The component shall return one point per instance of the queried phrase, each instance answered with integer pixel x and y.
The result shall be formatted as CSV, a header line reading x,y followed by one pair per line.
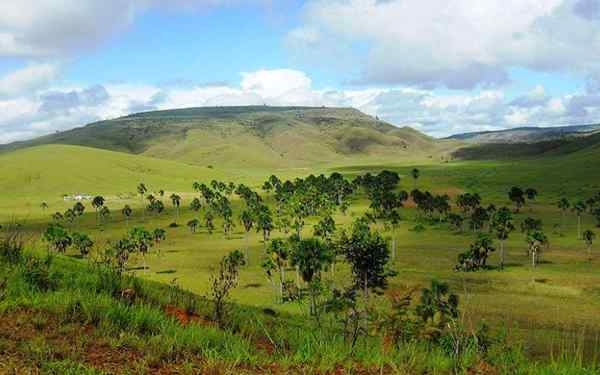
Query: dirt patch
x,y
184,318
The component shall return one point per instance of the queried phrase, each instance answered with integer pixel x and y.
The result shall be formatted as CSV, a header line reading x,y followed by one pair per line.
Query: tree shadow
x,y
252,285
140,268
166,272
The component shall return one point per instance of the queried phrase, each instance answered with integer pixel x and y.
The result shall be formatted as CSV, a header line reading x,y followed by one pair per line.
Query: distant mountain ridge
x,y
251,136
528,134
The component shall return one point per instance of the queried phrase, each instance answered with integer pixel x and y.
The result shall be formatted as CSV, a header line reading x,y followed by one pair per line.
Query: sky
x,y
442,67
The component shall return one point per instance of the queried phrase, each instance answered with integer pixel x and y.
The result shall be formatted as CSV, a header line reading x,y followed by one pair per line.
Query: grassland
x,y
553,308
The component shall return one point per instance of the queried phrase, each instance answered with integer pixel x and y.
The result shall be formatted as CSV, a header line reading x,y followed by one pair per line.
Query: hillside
x,y
548,148
258,137
526,134
47,172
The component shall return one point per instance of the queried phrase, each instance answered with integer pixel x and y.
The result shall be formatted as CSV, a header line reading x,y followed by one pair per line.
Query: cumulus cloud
x,y
28,78
42,28
459,44
438,114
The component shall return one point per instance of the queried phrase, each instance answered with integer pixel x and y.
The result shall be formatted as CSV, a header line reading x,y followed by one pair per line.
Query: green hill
x,y
256,136
550,148
46,172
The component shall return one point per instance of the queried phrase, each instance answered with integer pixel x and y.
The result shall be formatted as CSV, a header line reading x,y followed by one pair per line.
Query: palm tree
x,y
311,256
176,200
141,189
415,173
83,243
563,204
517,196
98,203
142,241
589,237
127,211
44,206
579,208
193,225
248,222
278,252
159,235
502,225
78,209
536,241
104,214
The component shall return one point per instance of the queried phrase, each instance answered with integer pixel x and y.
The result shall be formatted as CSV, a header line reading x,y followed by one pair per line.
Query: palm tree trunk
x,y
366,297
281,281
502,254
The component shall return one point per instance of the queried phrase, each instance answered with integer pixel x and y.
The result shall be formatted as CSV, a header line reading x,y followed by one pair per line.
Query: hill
x,y
254,136
526,134
548,148
47,172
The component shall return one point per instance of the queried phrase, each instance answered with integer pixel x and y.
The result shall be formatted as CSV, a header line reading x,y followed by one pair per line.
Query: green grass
x,y
553,307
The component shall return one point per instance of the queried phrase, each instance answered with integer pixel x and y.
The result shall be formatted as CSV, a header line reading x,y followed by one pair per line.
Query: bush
x,y
36,272
12,244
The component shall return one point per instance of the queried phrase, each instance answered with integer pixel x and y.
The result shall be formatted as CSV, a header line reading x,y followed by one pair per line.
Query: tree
x,y
141,189
368,255
44,206
264,223
141,241
176,200
83,243
208,218
58,237
589,237
223,281
195,205
193,225
456,221
70,215
531,194
415,174
278,254
517,197
502,225
579,208
536,241
437,308
57,216
104,214
530,225
311,256
476,257
98,203
159,235
78,209
563,204
478,218
468,202
127,211
247,222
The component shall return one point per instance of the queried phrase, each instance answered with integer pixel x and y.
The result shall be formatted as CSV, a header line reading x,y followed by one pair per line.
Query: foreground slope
x,y
258,136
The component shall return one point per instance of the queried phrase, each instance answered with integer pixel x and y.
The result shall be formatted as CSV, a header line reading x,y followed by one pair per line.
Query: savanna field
x,y
196,299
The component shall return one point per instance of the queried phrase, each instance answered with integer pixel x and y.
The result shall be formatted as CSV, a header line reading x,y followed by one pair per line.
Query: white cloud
x,y
438,114
275,83
28,78
457,44
42,28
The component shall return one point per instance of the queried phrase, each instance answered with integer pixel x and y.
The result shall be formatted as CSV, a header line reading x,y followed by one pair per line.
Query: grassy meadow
x,y
553,308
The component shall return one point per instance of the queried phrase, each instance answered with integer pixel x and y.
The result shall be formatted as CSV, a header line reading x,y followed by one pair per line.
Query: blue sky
x,y
461,66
